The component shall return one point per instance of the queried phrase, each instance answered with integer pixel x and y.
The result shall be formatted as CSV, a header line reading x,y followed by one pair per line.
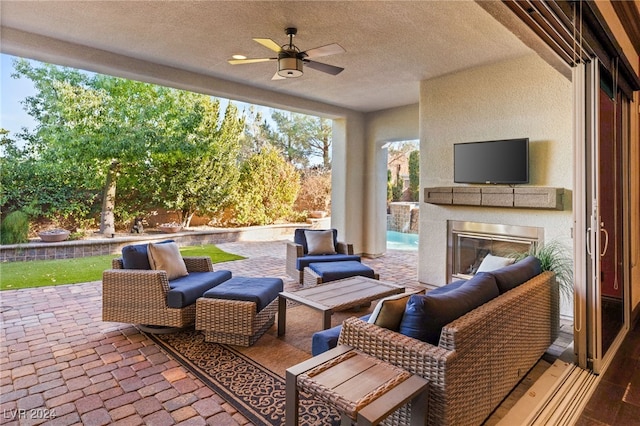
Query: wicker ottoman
x,y
238,311
322,272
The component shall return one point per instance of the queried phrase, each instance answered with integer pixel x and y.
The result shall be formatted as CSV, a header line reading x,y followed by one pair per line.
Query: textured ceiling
x,y
390,46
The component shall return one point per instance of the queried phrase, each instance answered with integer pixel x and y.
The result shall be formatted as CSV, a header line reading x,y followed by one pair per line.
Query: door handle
x,y
606,239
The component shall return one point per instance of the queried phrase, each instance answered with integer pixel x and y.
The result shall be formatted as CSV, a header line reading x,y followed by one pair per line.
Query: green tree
x,y
301,136
203,176
414,175
267,189
120,132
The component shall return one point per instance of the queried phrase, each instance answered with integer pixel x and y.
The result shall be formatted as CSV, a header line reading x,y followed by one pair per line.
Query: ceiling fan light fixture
x,y
289,67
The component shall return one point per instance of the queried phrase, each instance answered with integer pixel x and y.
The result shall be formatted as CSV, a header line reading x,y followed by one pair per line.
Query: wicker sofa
x,y
481,356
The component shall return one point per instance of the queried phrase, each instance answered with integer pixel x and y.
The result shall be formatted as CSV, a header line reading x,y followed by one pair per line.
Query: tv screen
x,y
504,161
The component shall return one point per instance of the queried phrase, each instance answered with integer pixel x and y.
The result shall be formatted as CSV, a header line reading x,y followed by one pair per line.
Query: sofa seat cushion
x,y
261,291
425,316
331,271
184,291
513,275
322,341
303,262
136,256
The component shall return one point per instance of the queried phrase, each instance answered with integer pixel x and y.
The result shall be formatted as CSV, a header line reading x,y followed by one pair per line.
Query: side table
x,y
362,388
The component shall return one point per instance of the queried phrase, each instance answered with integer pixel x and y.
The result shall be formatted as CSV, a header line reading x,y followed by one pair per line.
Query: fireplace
x,y
469,242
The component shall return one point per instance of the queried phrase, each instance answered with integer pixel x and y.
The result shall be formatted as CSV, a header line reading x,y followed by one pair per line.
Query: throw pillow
x,y
388,312
490,263
136,256
167,257
320,242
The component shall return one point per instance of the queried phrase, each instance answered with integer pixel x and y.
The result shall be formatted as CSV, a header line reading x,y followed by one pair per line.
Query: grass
x,y
41,273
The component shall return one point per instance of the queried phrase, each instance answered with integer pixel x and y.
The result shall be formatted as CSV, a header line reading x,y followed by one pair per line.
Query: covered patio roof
x,y
390,45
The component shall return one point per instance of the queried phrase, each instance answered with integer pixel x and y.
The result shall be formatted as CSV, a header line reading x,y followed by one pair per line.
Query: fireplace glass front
x,y
470,244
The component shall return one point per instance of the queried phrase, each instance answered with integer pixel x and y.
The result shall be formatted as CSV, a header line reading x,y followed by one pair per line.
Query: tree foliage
x,y
302,136
267,189
414,175
98,132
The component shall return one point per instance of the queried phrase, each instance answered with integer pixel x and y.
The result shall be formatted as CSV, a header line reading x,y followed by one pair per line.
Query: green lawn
x,y
40,273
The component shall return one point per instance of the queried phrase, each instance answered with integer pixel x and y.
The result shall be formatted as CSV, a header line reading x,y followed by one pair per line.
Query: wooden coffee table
x,y
335,296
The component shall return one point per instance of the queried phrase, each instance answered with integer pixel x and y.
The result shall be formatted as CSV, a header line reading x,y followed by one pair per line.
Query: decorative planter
x,y
54,235
170,229
317,214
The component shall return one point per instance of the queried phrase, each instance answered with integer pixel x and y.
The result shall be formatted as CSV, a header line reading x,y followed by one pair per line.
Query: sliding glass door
x,y
600,244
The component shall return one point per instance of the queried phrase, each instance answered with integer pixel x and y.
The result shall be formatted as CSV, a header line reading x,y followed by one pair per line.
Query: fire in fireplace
x,y
468,243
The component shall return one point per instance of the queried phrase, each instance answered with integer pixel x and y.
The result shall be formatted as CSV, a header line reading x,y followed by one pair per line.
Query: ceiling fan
x,y
290,58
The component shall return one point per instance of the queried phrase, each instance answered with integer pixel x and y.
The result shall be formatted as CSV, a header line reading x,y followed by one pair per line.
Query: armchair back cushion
x,y
136,256
300,238
167,257
424,316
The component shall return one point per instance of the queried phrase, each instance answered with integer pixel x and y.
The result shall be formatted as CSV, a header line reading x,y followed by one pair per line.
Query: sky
x,y
12,92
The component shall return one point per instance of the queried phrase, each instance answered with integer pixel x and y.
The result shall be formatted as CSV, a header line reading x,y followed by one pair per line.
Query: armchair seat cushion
x,y
261,291
184,291
303,262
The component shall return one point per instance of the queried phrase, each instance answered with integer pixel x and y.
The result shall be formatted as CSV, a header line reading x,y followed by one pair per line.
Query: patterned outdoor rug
x,y
252,379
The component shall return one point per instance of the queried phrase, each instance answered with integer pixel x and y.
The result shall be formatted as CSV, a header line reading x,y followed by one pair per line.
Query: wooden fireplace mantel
x,y
532,197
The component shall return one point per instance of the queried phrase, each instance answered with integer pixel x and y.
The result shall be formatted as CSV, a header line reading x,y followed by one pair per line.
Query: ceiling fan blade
x,y
329,49
277,76
250,60
329,69
269,44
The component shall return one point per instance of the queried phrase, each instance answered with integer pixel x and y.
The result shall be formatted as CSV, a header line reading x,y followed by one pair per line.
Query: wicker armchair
x,y
298,258
481,355
139,296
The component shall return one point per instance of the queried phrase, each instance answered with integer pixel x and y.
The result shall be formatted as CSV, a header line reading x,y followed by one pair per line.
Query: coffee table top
x,y
343,294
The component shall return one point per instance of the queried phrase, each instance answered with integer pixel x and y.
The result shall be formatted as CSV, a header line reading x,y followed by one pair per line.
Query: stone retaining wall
x,y
403,217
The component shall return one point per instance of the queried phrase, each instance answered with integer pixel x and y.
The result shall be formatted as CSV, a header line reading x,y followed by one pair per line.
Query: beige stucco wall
x,y
524,97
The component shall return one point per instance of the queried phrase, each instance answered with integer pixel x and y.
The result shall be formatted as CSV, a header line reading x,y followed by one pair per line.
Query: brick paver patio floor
x,y
60,364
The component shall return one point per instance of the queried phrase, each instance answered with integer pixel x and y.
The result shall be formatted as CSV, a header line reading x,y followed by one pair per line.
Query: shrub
x,y
414,175
15,228
315,191
267,189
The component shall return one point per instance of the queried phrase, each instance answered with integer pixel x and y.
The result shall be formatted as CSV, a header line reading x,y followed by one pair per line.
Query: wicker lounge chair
x,y
298,256
139,296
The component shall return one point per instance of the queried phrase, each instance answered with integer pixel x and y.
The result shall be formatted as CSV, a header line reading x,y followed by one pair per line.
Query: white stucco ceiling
x,y
390,45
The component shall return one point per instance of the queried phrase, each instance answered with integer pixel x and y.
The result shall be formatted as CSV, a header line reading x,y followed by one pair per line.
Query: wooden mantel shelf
x,y
534,197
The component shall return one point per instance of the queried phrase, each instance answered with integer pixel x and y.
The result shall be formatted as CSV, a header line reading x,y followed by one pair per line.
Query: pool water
x,y
402,241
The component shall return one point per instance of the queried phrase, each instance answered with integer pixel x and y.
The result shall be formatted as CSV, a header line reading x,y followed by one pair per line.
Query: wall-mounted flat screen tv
x,y
503,161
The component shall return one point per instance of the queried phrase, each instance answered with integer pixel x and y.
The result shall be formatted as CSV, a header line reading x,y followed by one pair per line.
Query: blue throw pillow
x,y
425,315
513,275
135,256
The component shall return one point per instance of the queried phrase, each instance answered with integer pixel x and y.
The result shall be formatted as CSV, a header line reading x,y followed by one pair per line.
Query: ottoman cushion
x,y
338,270
303,262
261,291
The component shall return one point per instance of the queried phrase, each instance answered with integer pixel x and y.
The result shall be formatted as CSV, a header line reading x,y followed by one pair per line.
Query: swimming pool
x,y
402,241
